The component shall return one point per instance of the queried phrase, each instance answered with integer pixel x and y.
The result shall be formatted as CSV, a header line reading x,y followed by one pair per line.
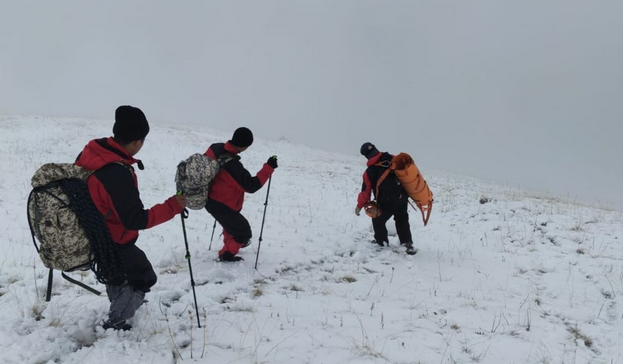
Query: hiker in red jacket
x,y
226,194
114,190
391,198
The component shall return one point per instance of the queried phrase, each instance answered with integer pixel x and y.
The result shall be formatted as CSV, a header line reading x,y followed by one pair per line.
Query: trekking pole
x,y
263,218
184,215
212,238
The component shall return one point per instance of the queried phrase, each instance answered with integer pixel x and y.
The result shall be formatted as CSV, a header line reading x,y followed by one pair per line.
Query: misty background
x,y
528,93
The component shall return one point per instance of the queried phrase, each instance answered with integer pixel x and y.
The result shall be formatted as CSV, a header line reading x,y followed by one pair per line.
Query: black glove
x,y
272,161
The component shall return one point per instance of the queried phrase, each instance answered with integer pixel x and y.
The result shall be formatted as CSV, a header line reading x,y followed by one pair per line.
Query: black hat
x,y
368,150
130,124
243,137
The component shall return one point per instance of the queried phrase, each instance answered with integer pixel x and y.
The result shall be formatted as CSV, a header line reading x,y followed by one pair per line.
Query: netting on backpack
x,y
107,266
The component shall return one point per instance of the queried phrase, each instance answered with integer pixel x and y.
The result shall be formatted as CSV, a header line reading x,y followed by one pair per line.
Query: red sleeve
x,y
366,191
265,173
163,212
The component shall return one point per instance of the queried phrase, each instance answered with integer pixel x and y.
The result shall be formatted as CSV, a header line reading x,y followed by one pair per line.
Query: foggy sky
x,y
529,93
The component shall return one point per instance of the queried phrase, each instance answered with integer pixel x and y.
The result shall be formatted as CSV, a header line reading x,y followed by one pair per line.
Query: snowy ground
x,y
516,279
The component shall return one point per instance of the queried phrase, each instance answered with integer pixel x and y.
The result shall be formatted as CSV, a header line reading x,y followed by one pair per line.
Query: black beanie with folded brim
x,y
242,138
130,124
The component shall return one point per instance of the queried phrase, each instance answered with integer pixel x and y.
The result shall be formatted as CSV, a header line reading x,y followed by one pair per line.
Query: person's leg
x,y
113,291
380,230
236,228
139,272
229,244
401,217
125,299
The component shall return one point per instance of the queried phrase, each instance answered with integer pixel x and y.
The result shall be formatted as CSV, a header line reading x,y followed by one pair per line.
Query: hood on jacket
x,y
100,152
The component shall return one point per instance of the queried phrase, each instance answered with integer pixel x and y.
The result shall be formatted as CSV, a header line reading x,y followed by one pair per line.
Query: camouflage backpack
x,y
71,231
194,175
52,219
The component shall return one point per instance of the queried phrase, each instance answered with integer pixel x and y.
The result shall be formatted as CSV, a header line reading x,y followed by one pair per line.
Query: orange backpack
x,y
412,181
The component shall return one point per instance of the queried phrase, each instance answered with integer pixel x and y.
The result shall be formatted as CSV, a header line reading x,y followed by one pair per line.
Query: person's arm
x,y
366,191
124,195
249,183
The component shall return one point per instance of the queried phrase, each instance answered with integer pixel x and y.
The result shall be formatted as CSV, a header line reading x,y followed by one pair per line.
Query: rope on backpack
x,y
107,265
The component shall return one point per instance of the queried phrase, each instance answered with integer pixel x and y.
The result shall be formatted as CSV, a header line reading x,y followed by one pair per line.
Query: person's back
x,y
233,180
390,190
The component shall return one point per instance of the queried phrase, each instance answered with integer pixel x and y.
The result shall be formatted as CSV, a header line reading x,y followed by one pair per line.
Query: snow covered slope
x,y
500,277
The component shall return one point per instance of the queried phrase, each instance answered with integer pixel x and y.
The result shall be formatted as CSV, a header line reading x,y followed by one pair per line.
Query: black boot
x,y
119,325
229,257
380,243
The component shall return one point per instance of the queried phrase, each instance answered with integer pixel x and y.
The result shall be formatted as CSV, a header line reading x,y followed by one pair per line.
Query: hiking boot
x,y
380,243
410,249
119,325
229,257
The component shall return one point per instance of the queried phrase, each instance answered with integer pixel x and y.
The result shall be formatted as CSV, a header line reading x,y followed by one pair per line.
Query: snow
x,y
519,278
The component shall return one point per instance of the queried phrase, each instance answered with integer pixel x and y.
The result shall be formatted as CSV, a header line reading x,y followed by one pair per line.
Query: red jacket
x,y
233,180
114,190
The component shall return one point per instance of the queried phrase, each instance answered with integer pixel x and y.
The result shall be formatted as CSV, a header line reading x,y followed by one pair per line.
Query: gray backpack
x,y
194,175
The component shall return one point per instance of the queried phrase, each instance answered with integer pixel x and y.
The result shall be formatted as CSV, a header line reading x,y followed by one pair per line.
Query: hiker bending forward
x,y
114,191
391,197
226,193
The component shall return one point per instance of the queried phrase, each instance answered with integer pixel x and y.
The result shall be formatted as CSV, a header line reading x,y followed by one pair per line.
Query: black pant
x,y
397,209
139,272
232,221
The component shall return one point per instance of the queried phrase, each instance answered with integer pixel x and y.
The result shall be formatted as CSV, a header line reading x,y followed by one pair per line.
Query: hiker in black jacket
x,y
390,197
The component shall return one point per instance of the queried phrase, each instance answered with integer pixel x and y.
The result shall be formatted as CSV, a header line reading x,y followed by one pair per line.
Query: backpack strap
x,y
32,230
225,158
90,289
428,209
48,293
381,179
385,164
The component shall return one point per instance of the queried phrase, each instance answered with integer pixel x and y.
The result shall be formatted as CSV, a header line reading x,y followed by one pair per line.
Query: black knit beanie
x,y
368,150
243,137
130,124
